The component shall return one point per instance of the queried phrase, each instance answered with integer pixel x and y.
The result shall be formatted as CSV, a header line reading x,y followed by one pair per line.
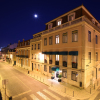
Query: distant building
x,y
23,54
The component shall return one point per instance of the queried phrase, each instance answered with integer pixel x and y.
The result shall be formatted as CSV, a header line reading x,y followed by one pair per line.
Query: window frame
x,y
58,21
73,35
51,43
71,15
45,68
89,36
45,41
74,73
64,37
57,39
50,24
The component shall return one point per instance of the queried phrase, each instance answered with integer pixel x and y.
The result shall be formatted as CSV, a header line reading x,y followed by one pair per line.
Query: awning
x,y
54,53
63,53
55,68
73,53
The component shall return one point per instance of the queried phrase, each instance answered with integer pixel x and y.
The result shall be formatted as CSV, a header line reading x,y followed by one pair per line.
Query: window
x,y
74,61
50,26
38,56
57,39
64,38
57,57
25,43
74,76
28,43
89,36
35,65
27,62
35,56
75,36
45,41
32,47
71,16
64,73
59,22
35,47
96,39
93,21
89,57
45,68
38,46
96,56
38,66
50,69
32,56
50,40
64,57
50,57
27,52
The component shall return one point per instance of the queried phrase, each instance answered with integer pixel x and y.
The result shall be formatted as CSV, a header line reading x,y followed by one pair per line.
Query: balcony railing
x,y
64,63
74,65
45,61
50,61
56,62
75,21
22,56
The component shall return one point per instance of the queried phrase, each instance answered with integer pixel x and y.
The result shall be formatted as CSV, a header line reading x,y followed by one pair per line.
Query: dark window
x,y
35,47
45,41
38,46
89,57
96,56
89,36
32,47
96,39
50,40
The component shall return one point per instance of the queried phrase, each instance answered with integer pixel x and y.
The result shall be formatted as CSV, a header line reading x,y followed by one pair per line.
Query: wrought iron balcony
x,y
64,63
56,62
45,61
74,65
50,61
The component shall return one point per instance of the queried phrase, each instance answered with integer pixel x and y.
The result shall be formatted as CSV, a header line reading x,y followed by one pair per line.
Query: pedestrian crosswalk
x,y
43,95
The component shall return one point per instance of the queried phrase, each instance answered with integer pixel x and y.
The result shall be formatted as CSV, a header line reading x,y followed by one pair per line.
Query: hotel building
x,y
70,46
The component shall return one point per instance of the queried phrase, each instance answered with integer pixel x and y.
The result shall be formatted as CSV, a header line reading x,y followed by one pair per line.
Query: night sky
x,y
17,20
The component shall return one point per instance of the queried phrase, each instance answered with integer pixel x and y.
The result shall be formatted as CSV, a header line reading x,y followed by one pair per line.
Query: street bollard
x,y
43,80
65,90
73,93
94,86
90,90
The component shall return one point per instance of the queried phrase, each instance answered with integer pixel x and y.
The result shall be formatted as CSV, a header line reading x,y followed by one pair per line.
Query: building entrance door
x,y
32,66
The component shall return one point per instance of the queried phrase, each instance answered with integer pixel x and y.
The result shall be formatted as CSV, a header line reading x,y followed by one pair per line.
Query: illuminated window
x,y
45,68
38,56
45,41
64,73
59,22
50,40
74,76
57,39
50,57
57,57
96,56
64,38
89,57
75,36
96,39
74,61
89,36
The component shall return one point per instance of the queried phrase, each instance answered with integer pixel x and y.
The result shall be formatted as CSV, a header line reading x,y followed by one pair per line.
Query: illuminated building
x,y
70,44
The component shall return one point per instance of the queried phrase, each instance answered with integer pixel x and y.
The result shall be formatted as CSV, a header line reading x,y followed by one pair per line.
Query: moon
x,y
35,16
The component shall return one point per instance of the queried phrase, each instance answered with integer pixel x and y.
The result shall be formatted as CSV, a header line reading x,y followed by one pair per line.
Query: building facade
x,y
69,46
23,54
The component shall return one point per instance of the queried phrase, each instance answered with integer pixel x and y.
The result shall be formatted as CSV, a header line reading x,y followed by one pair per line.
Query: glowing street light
x,y
35,15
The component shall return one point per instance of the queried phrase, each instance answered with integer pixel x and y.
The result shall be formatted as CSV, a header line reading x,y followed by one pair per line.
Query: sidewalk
x,y
64,89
